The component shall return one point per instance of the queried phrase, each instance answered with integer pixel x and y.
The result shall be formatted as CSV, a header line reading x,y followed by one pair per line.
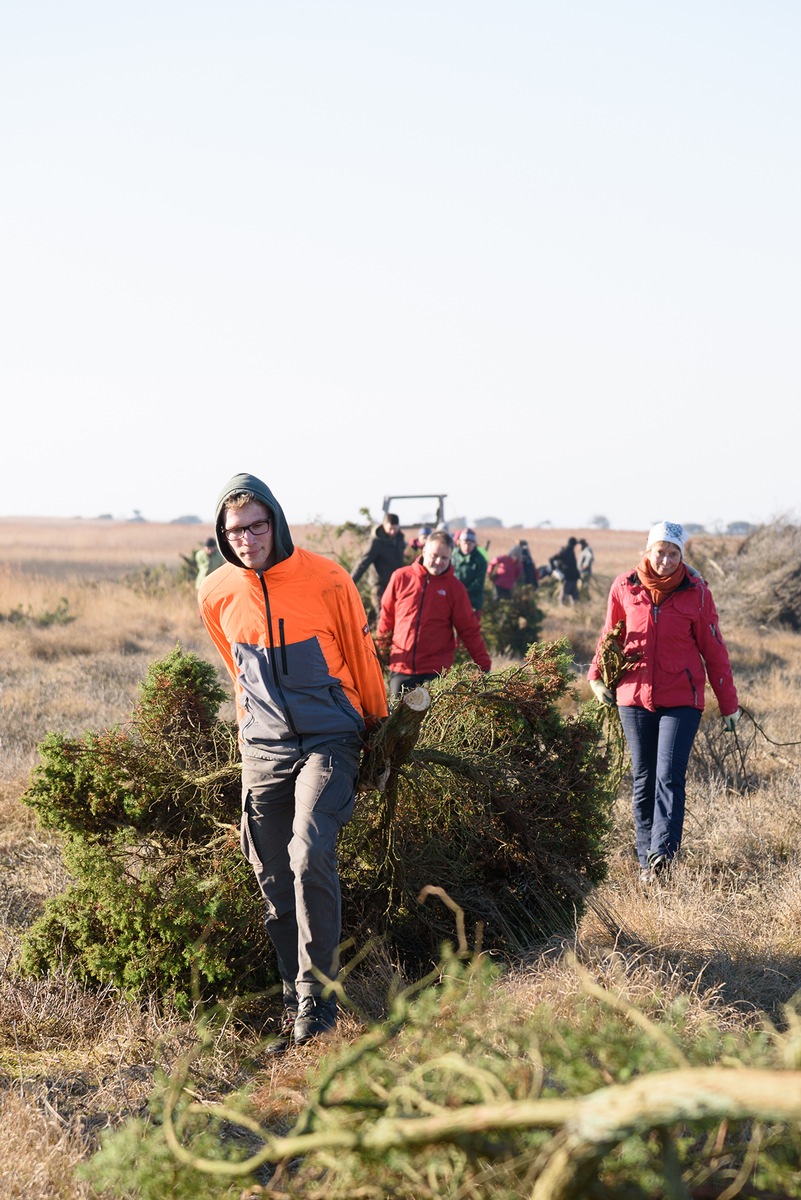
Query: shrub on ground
x,y
756,581
510,626
161,897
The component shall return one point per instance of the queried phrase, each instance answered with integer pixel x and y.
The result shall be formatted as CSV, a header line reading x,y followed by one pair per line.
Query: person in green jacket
x,y
470,566
207,559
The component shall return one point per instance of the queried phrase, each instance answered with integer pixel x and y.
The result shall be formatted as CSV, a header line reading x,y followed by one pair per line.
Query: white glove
x,y
731,720
602,692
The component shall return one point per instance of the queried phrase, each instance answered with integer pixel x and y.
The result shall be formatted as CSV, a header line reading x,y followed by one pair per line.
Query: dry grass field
x,y
85,606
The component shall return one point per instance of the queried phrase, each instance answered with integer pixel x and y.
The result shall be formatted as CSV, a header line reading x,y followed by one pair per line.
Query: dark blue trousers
x,y
659,743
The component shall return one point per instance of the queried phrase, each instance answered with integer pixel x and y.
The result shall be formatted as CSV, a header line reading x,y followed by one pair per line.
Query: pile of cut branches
x,y
161,899
463,1092
498,801
759,582
613,662
503,804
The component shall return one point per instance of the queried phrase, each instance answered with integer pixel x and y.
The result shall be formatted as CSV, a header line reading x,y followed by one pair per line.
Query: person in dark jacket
x,y
564,562
291,630
424,608
384,554
529,575
670,623
470,567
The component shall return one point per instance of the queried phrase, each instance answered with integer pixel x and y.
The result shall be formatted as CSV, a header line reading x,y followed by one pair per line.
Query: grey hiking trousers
x,y
292,812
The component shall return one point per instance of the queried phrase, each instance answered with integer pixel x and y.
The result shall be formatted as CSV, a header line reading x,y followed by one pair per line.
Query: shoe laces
x,y
308,1004
287,1022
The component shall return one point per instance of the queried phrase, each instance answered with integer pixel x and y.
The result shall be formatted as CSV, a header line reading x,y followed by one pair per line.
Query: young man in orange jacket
x,y
291,629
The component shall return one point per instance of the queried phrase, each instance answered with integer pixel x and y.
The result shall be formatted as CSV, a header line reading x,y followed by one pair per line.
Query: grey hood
x,y
284,545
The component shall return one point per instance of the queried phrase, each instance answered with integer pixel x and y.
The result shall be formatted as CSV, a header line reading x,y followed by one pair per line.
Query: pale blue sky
x,y
544,257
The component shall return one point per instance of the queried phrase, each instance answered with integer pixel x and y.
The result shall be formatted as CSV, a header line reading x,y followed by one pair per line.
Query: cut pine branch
x,y
393,741
612,661
586,1129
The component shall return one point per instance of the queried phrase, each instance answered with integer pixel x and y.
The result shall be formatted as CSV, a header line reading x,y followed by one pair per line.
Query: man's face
x,y
390,527
253,548
466,545
436,557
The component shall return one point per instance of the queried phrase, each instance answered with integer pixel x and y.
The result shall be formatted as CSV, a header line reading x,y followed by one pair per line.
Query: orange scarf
x,y
657,586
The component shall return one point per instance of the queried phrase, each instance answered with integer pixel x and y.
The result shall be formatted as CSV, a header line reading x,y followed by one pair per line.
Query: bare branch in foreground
x,y
589,1127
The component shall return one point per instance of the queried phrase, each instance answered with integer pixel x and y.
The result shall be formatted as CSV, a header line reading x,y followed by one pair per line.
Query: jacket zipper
x,y
282,640
274,656
417,623
655,611
687,671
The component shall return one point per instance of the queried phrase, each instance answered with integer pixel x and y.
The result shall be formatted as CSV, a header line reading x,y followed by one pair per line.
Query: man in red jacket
x,y
422,606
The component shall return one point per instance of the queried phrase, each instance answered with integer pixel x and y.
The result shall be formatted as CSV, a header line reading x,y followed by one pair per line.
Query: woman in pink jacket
x,y
670,623
504,570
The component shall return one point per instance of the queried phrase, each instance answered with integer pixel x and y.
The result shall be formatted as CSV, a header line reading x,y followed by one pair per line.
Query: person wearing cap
x,y
207,559
291,630
417,543
470,566
670,625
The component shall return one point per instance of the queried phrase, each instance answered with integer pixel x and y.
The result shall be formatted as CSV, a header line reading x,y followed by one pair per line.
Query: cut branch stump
x,y
394,741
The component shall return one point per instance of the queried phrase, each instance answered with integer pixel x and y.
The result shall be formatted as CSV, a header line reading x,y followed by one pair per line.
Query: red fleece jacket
x,y
419,614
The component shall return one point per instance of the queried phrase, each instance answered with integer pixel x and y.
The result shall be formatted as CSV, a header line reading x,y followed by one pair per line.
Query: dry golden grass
x,y
40,1152
39,546
721,935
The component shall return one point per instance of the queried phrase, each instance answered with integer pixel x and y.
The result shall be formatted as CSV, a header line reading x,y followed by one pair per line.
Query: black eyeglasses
x,y
257,529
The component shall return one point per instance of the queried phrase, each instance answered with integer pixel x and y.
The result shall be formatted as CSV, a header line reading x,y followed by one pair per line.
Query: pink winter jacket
x,y
680,644
505,571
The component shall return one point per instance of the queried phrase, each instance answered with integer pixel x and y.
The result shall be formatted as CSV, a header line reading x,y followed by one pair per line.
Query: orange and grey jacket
x,y
294,639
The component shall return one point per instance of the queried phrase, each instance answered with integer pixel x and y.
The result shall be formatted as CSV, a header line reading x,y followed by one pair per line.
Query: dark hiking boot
x,y
286,1032
659,864
315,1016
